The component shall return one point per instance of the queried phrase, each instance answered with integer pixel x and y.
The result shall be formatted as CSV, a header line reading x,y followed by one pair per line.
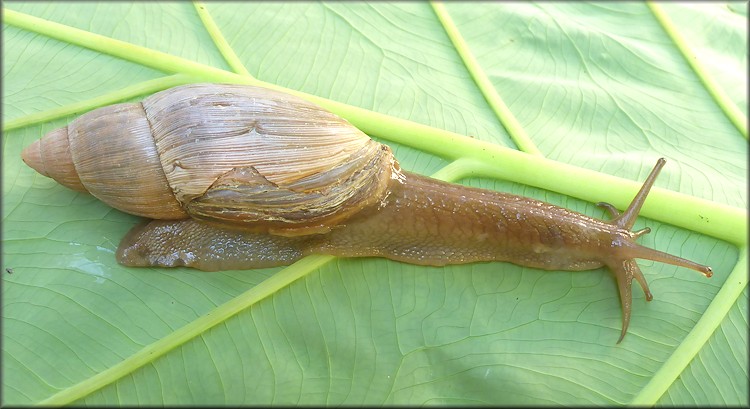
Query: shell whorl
x,y
109,152
223,153
53,152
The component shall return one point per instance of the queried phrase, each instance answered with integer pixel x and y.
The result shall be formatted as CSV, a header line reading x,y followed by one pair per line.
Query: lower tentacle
x,y
625,271
624,281
613,212
641,232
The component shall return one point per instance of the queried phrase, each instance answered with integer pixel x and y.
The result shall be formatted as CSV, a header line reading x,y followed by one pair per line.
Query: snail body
x,y
239,177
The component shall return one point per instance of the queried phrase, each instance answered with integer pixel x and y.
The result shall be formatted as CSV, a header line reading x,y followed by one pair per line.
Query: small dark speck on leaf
x,y
9,270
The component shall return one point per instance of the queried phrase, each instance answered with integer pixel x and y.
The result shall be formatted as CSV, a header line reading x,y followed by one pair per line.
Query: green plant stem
x,y
698,336
216,316
456,170
221,43
116,48
503,113
735,115
123,94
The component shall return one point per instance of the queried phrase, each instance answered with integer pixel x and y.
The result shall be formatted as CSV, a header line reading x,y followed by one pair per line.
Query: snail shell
x,y
234,155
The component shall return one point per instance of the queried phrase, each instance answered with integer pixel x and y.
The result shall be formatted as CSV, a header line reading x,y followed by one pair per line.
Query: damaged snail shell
x,y
238,177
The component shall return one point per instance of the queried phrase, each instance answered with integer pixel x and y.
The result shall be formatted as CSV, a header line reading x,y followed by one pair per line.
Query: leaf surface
x,y
601,91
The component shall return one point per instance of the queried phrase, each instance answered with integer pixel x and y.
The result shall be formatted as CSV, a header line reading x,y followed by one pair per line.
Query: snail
x,y
241,177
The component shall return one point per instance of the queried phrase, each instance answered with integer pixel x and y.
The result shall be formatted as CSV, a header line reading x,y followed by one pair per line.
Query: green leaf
x,y
594,93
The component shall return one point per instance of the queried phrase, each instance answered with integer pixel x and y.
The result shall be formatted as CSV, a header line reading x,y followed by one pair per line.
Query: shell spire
x,y
51,157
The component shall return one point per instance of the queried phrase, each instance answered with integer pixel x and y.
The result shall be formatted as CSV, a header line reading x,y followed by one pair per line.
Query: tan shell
x,y
235,155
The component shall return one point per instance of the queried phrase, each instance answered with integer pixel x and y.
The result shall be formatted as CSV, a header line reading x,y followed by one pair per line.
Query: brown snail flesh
x,y
239,177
